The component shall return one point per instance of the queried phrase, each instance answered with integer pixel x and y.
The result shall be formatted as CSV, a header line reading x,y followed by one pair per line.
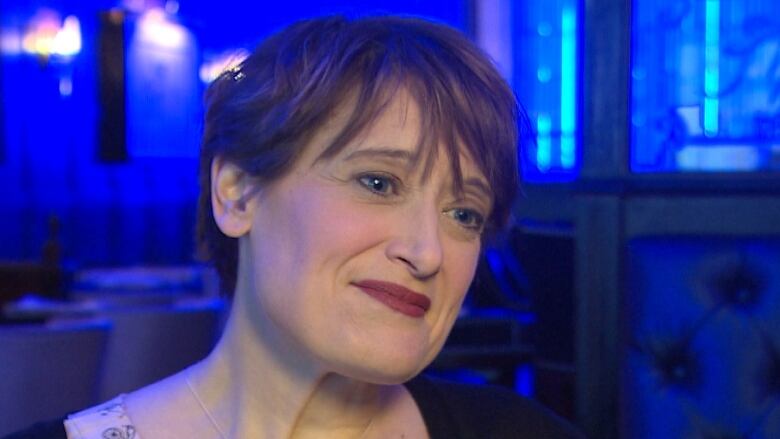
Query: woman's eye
x,y
468,218
379,184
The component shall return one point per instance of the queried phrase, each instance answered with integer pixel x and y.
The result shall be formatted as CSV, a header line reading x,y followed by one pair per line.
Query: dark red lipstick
x,y
396,297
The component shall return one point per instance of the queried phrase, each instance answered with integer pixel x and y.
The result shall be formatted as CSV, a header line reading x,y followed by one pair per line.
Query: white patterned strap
x,y
105,421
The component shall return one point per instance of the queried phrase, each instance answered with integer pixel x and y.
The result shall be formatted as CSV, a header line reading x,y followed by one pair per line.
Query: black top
x,y
450,410
465,411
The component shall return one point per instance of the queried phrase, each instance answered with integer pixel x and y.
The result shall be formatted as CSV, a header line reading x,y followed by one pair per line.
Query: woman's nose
x,y
417,243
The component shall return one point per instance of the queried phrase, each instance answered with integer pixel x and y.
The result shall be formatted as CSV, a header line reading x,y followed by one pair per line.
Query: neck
x,y
256,383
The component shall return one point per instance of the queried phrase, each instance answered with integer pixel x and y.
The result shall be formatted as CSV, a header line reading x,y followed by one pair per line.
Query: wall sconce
x,y
154,27
47,36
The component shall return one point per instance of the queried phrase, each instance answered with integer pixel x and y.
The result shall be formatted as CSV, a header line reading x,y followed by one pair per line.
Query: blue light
x,y
543,74
711,66
524,380
568,81
543,142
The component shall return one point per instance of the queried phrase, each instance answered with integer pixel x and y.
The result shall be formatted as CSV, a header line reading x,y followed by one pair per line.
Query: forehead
x,y
398,129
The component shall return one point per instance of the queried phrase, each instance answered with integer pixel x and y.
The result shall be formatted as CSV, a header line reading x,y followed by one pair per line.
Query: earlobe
x,y
230,203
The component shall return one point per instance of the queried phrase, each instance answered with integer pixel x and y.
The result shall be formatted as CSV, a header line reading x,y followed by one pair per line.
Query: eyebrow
x,y
404,155
480,185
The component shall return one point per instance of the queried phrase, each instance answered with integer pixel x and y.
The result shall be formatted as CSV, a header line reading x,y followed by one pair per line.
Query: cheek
x,y
304,239
464,258
458,273
329,229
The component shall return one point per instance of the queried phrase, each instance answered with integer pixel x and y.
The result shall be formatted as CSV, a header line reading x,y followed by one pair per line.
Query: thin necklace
x,y
219,430
371,422
203,407
368,427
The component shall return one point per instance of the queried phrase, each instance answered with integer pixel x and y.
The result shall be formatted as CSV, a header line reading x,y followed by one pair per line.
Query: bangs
x,y
436,130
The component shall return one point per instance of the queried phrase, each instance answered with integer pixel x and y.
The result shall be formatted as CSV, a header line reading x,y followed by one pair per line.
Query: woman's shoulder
x,y
104,420
461,410
54,429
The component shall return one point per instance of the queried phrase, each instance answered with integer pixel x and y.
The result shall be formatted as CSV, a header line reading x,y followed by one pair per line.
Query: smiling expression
x,y
362,259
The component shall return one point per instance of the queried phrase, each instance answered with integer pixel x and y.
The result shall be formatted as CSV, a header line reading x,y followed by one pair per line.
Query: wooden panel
x,y
606,88
112,123
598,254
703,215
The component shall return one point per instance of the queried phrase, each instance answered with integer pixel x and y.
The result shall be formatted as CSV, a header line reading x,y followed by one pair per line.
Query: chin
x,y
387,369
385,377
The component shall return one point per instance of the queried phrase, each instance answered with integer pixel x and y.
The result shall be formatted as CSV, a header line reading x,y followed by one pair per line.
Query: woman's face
x,y
358,259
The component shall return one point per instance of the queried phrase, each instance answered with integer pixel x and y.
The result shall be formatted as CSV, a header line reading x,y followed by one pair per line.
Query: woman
x,y
350,174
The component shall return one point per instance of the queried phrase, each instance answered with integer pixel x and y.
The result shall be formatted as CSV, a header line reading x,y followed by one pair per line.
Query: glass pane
x,y
705,86
546,36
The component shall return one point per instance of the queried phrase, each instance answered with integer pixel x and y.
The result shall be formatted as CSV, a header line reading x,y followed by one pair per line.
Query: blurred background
x,y
637,294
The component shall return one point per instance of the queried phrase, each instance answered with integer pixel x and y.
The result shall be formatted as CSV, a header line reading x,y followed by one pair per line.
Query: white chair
x,y
150,343
48,371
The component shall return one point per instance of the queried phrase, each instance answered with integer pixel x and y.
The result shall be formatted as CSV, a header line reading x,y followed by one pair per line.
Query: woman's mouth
x,y
396,297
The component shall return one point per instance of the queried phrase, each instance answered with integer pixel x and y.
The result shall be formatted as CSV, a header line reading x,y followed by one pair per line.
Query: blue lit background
x,y
705,96
705,86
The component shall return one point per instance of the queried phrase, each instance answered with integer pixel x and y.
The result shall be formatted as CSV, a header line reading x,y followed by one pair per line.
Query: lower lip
x,y
393,302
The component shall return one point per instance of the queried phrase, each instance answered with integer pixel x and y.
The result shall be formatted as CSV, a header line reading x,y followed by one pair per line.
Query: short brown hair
x,y
261,115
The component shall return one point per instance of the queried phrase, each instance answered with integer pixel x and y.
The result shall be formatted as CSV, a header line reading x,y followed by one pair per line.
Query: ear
x,y
231,190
